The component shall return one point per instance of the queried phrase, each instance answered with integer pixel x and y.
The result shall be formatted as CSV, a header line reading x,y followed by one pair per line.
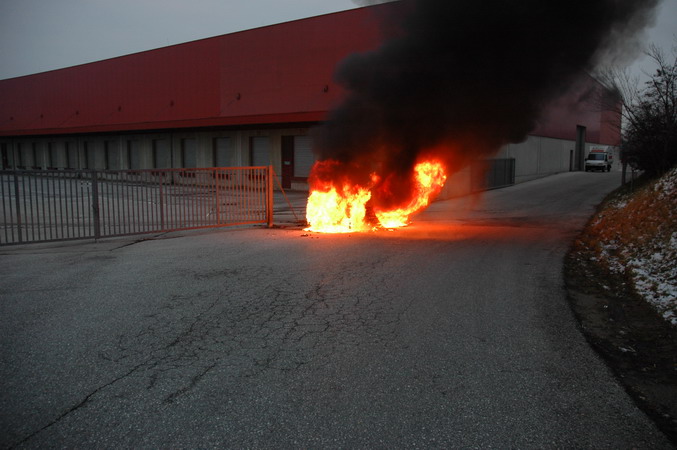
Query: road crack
x,y
193,382
77,406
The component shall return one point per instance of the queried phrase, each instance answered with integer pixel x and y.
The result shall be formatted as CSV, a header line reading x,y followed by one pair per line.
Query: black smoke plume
x,y
467,75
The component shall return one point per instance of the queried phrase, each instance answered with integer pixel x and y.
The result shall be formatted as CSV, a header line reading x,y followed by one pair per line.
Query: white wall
x,y
539,157
534,158
240,143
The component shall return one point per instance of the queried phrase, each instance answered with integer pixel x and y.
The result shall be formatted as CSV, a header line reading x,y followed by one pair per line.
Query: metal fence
x,y
53,205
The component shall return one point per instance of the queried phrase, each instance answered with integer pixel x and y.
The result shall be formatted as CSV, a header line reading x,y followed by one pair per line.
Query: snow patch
x,y
638,237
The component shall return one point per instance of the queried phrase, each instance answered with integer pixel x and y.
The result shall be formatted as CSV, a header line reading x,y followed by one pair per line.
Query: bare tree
x,y
649,113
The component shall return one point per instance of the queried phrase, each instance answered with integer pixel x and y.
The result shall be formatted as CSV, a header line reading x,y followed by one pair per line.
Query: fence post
x,y
269,196
217,176
512,171
162,201
18,205
95,205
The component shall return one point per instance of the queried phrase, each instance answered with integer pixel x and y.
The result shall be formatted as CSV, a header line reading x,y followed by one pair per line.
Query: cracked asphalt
x,y
453,332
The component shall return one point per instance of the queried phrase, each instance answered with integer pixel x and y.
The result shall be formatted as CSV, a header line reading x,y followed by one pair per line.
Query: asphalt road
x,y
454,332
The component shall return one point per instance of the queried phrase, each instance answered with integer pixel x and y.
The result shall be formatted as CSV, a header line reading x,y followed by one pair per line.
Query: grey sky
x,y
40,35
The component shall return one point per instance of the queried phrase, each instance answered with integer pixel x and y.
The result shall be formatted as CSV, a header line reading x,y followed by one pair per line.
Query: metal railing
x,y
54,205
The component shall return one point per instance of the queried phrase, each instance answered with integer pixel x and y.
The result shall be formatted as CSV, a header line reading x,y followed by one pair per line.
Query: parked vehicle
x,y
599,159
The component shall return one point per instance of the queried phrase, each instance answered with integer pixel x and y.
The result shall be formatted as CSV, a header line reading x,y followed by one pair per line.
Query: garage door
x,y
303,156
223,154
189,152
260,151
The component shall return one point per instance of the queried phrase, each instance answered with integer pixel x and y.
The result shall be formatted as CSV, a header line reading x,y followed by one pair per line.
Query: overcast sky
x,y
40,35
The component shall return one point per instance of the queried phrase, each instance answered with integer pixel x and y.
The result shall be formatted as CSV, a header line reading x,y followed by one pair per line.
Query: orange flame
x,y
331,212
430,178
344,210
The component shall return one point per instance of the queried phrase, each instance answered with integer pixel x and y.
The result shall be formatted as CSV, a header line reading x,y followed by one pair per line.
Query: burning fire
x,y
334,212
345,208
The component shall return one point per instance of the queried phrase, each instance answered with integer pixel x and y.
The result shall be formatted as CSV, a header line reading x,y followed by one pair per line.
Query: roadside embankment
x,y
621,275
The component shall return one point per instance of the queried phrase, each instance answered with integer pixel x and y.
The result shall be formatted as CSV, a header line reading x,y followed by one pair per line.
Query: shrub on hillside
x,y
649,114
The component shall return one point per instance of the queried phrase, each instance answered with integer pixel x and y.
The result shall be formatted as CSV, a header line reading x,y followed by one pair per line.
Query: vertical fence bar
x,y
83,207
68,190
269,195
191,206
128,207
139,202
25,205
177,202
30,213
113,196
204,189
120,191
150,202
48,219
169,206
104,197
77,186
40,198
237,197
196,202
106,193
6,204
247,193
217,209
33,212
18,206
199,192
58,200
95,205
181,200
6,201
207,198
162,202
39,205
143,207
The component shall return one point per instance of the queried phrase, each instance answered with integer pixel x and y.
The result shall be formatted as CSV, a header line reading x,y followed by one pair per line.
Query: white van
x,y
599,159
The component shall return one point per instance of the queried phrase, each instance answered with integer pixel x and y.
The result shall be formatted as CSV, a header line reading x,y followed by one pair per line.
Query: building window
x,y
189,153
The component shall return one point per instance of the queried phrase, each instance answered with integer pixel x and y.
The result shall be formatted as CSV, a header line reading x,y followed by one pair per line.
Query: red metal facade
x,y
271,75
275,74
583,105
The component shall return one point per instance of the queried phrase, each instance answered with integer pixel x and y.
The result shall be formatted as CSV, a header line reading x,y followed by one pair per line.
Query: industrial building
x,y
240,99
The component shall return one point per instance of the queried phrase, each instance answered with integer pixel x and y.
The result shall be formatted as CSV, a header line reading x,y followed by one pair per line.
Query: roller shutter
x,y
189,152
162,154
134,154
223,155
303,156
260,151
